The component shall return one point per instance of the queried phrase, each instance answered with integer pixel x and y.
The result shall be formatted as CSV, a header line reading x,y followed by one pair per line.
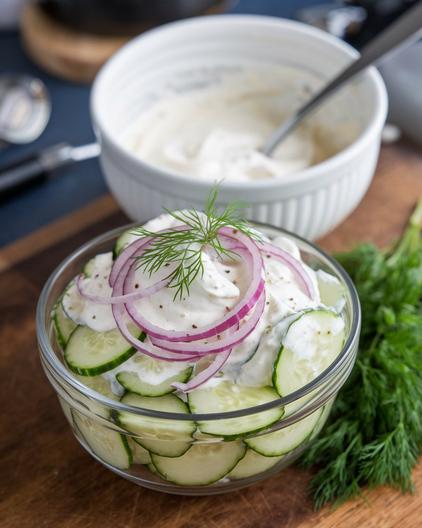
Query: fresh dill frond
x,y
374,435
184,247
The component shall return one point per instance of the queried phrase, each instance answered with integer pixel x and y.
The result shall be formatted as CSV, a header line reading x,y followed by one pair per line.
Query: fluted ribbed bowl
x,y
182,55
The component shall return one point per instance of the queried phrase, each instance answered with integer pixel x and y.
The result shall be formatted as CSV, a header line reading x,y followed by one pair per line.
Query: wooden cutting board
x,y
46,478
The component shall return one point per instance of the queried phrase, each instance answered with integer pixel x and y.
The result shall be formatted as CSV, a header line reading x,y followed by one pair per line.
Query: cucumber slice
x,y
151,467
89,267
286,439
124,240
98,384
331,290
227,396
151,377
110,446
83,311
253,464
170,438
139,454
90,353
201,465
311,344
63,325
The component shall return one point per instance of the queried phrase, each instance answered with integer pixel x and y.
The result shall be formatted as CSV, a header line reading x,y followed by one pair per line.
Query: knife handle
x,y
21,174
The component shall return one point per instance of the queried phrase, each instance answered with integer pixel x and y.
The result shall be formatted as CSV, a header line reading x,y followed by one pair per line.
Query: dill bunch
x,y
185,247
374,435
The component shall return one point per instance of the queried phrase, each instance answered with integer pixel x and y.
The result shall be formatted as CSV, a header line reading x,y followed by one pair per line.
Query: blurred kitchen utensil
x,y
405,29
35,168
25,108
403,78
10,11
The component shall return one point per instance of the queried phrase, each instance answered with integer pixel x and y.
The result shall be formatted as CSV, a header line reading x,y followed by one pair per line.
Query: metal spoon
x,y
25,108
408,25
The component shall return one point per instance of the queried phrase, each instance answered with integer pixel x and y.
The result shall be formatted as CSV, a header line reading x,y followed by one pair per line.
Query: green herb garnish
x,y
374,435
185,247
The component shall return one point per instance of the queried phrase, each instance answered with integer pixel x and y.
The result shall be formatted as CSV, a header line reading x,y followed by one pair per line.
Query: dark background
x,y
77,185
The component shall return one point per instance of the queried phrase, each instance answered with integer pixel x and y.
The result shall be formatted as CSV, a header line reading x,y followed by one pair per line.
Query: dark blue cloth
x,y
75,185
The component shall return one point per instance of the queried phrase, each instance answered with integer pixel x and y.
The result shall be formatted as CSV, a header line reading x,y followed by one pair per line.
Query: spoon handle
x,y
396,33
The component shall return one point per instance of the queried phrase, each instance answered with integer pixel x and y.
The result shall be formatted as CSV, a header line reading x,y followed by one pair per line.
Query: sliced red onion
x,y
203,376
294,264
236,314
152,351
131,250
128,253
120,299
220,345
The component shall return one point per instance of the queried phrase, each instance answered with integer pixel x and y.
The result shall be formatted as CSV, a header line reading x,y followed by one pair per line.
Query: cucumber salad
x,y
198,313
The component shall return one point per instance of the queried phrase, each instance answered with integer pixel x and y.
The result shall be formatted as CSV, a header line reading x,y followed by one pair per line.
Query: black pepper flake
x,y
290,298
268,256
161,306
97,275
94,316
194,326
136,285
228,309
218,336
267,303
167,264
234,282
227,271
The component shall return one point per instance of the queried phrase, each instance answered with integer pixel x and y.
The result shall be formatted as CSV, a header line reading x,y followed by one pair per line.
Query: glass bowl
x,y
217,464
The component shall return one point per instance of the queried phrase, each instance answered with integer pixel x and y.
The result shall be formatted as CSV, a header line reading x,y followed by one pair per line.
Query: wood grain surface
x,y
46,478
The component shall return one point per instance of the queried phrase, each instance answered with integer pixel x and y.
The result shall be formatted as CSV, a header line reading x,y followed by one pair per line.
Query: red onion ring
x,y
216,346
212,369
294,264
152,351
120,299
131,249
236,314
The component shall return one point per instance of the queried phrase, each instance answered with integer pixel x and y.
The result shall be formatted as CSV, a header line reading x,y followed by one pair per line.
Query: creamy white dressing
x,y
219,289
228,123
97,316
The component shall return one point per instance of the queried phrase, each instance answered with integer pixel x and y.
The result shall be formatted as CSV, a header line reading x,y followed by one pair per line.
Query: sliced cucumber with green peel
x,y
284,440
124,240
110,446
63,325
151,467
331,290
101,263
151,377
170,438
140,455
227,396
311,344
253,464
90,353
99,384
202,465
89,267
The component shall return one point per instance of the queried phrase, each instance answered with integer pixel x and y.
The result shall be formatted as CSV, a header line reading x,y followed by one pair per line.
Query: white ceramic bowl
x,y
184,55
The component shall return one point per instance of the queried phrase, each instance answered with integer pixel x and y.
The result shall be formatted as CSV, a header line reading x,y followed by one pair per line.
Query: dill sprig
x,y
374,435
185,247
